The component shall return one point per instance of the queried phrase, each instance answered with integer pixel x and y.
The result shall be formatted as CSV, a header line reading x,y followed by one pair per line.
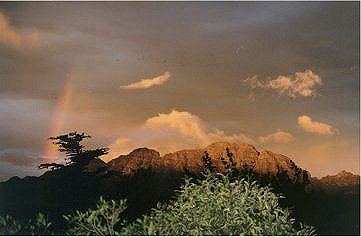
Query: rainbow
x,y
57,120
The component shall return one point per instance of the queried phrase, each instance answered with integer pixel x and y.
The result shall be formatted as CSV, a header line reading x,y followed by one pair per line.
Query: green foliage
x,y
219,206
216,205
99,221
38,226
9,226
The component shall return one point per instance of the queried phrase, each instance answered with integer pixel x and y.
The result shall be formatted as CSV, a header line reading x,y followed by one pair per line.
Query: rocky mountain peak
x,y
144,152
137,159
246,157
344,173
220,147
344,182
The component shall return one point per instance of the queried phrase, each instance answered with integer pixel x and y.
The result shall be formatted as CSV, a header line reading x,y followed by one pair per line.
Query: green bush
x,y
219,206
215,205
38,226
99,221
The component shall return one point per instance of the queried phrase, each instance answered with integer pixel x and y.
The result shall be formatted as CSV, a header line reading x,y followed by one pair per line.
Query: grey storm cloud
x,y
19,158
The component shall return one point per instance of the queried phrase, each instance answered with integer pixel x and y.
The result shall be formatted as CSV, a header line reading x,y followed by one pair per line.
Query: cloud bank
x,y
277,137
9,36
173,131
302,84
19,157
190,126
307,124
147,83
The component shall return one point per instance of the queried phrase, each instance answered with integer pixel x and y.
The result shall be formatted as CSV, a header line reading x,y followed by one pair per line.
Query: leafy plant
x,y
219,206
99,221
38,226
215,205
9,226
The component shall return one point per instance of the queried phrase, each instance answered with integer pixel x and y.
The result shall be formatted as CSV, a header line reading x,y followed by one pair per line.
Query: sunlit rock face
x,y
245,156
137,159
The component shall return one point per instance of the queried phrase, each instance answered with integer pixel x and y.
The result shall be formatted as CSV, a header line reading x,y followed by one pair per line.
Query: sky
x,y
282,76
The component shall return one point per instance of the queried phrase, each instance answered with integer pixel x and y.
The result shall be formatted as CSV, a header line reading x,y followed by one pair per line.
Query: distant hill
x,y
343,182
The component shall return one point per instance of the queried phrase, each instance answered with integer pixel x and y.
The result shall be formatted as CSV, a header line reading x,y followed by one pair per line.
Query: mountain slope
x,y
343,182
246,157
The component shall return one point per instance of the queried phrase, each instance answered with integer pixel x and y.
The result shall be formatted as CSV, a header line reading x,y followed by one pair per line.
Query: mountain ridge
x,y
246,156
342,182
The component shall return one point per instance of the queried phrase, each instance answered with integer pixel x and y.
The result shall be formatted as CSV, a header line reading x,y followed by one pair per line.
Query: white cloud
x,y
118,147
183,123
302,84
147,83
9,36
277,137
307,124
253,82
173,131
190,126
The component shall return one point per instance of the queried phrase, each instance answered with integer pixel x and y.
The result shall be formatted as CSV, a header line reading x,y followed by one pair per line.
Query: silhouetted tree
x,y
232,164
51,166
207,162
71,145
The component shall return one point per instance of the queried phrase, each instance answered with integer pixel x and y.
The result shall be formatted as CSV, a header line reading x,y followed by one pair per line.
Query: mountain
x,y
144,178
141,158
331,203
343,182
246,156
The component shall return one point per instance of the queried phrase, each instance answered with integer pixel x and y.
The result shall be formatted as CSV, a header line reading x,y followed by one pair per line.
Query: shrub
x,y
219,206
38,226
99,221
216,205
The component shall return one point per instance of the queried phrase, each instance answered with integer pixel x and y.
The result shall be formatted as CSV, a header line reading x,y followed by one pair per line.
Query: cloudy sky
x,y
283,76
